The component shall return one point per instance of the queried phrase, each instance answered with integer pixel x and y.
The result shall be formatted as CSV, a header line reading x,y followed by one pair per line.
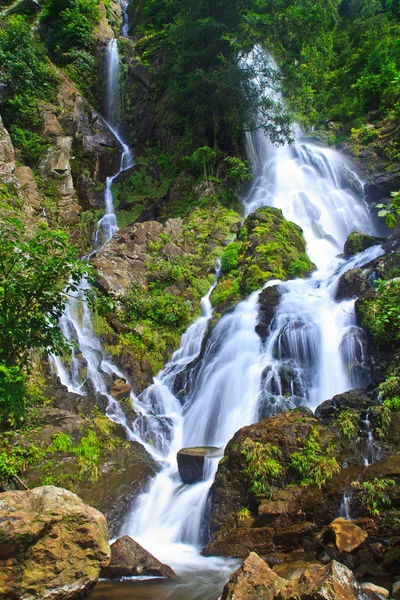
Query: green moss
x,y
267,247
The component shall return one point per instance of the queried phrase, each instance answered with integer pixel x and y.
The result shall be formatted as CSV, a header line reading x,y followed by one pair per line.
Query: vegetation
x,y
374,494
391,211
347,421
380,314
314,465
262,465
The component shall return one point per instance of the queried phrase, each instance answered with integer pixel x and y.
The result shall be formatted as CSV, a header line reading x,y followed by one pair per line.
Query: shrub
x,y
347,423
314,466
380,314
262,465
230,257
373,494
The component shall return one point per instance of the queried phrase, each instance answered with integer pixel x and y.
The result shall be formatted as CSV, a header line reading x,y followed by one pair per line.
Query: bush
x,y
314,466
230,257
263,466
373,494
380,314
12,395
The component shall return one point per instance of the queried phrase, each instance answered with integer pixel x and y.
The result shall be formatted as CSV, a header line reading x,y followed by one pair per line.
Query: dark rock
x,y
357,242
373,191
387,183
396,590
355,399
129,559
268,301
23,7
353,284
191,462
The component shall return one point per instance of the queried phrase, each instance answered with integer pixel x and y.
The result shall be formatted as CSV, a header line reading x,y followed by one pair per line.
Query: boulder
x,y
129,559
268,300
355,399
357,242
376,589
348,536
252,581
191,462
7,155
52,545
352,284
396,590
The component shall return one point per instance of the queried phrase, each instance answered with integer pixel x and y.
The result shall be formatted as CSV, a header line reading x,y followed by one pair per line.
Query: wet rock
x,y
268,300
355,399
353,284
120,389
357,242
52,545
396,590
23,7
7,155
253,580
129,559
348,536
376,589
191,462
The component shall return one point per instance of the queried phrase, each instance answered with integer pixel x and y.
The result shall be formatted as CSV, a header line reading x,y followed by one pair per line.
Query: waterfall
x,y
308,357
87,357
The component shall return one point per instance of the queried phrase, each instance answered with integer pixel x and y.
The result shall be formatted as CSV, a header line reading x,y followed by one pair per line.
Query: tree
x,y
37,271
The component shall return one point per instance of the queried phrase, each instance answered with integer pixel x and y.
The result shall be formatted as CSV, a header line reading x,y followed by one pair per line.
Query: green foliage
x,y
163,309
16,459
380,314
244,514
61,442
32,146
374,494
37,271
262,465
230,257
28,78
315,466
12,395
300,267
347,421
238,172
390,211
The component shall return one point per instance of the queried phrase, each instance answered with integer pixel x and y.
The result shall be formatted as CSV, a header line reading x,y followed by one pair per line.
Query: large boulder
x,y
52,545
191,462
129,559
348,536
254,580
356,400
357,242
353,284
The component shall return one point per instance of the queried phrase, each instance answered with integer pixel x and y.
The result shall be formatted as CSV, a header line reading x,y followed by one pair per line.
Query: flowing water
x,y
219,381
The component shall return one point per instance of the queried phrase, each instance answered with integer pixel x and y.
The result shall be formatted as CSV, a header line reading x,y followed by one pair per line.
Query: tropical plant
x,y
315,466
374,494
262,465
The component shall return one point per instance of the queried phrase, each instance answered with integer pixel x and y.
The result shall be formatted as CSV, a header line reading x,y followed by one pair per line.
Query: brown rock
x,y
254,580
376,589
7,155
348,536
52,545
129,559
120,389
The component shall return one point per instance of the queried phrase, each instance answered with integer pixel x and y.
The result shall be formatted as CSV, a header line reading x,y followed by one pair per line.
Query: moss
x,y
357,242
266,247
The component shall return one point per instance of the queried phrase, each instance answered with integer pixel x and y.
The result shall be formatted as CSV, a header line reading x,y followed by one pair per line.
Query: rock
x,y
7,155
120,389
268,300
23,7
378,590
348,536
252,581
357,242
355,399
129,559
52,545
191,462
396,590
352,284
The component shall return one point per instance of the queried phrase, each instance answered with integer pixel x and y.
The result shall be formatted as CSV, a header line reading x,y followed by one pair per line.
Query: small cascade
x,y
87,357
345,507
372,446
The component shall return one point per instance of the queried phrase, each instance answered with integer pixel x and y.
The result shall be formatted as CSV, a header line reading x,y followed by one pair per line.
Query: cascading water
x,y
314,350
87,360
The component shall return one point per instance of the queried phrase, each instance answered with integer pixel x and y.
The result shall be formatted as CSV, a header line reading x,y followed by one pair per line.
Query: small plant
x,y
373,494
244,514
347,423
263,466
389,212
61,442
15,460
383,416
314,466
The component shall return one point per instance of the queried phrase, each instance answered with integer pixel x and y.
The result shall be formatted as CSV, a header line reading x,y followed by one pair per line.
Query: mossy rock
x,y
267,247
357,242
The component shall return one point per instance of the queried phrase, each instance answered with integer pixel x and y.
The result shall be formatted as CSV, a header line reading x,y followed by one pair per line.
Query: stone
x,y
23,7
254,580
352,284
396,590
129,559
120,389
356,399
52,545
348,536
191,462
357,242
268,300
378,590
7,155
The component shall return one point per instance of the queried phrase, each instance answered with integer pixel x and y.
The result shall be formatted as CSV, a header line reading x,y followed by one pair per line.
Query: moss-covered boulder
x,y
158,273
357,242
87,454
266,247
52,545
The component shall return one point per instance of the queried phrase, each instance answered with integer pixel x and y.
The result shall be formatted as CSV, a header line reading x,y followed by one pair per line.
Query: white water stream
x,y
314,350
